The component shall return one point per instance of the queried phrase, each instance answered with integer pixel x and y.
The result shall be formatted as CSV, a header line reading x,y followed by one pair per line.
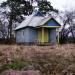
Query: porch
x,y
47,35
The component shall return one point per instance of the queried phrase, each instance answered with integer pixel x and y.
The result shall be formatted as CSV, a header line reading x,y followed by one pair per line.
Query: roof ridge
x,y
33,16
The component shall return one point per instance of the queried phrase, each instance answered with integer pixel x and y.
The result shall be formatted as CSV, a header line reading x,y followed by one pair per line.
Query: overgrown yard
x,y
49,60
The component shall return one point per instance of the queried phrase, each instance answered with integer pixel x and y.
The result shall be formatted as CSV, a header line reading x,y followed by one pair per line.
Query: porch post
x,y
42,34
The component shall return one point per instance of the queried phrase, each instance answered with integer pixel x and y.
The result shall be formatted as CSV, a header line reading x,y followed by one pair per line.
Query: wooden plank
x,y
42,34
46,35
58,38
39,35
51,26
45,26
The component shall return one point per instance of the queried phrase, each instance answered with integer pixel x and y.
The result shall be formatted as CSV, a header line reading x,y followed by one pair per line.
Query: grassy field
x,y
53,59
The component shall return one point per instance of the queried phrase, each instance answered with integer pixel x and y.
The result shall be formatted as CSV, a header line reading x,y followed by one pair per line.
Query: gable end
x,y
52,22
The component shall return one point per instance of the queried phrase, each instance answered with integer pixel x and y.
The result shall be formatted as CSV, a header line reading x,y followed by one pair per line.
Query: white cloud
x,y
60,4
2,1
63,4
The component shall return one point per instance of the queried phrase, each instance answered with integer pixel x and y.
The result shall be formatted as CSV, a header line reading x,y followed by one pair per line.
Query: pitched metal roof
x,y
45,20
31,20
35,19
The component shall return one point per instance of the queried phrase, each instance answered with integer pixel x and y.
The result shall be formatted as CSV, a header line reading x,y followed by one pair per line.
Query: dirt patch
x,y
13,72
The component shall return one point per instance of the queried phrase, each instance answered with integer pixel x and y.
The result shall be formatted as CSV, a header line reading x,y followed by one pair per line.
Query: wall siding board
x,y
30,34
26,35
39,34
52,35
52,23
46,35
45,39
18,36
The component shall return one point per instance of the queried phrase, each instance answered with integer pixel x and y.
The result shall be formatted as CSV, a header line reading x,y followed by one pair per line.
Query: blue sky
x,y
61,4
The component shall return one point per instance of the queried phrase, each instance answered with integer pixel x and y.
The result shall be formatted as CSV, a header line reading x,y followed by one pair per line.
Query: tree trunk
x,y
10,26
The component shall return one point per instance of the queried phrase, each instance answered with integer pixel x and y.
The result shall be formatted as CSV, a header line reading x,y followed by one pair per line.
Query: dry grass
x,y
63,56
65,50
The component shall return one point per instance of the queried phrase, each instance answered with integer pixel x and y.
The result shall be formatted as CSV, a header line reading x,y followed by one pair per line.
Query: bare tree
x,y
69,20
